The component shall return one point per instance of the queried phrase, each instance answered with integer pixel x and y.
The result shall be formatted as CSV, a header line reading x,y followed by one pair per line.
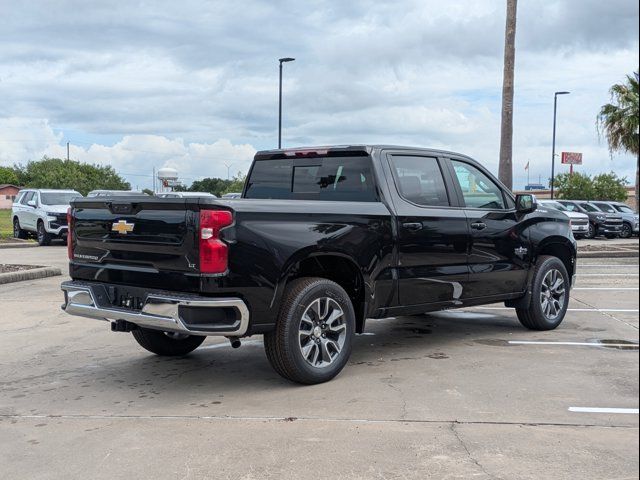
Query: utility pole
x,y
67,151
553,142
505,169
228,170
281,61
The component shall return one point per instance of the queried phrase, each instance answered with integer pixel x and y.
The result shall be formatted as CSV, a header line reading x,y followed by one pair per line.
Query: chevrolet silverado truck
x,y
321,240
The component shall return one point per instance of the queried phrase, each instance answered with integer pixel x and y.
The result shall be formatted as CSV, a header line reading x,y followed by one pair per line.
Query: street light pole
x,y
281,61
553,144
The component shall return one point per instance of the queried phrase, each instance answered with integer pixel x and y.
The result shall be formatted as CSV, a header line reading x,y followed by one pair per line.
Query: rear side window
x,y
419,180
347,179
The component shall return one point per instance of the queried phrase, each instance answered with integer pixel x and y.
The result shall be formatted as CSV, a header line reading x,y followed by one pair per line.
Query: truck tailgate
x,y
145,242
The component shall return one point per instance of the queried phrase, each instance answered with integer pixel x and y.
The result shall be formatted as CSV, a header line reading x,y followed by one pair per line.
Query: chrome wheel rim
x,y
553,294
322,332
40,232
626,231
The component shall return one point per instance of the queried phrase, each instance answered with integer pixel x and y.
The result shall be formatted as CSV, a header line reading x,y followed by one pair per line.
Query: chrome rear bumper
x,y
160,311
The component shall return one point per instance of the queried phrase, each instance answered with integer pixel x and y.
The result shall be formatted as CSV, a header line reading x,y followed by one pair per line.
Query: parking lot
x,y
455,394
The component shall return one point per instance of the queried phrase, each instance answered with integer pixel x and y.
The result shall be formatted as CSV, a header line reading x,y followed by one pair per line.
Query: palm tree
x,y
619,122
505,169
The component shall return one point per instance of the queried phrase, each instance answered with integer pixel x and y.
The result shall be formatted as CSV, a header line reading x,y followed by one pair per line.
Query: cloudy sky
x,y
193,85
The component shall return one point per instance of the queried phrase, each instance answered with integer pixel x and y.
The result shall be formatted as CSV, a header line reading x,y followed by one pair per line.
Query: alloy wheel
x,y
322,332
553,294
16,228
626,231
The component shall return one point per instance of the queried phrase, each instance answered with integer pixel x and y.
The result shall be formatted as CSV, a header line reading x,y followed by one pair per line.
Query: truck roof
x,y
362,149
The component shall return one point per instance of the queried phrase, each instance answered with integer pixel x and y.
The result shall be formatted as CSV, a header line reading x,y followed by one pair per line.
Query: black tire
x,y
17,231
627,230
534,317
592,232
166,343
284,346
44,237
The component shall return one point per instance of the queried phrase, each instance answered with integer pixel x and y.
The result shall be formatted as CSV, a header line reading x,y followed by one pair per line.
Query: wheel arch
x,y
338,267
561,248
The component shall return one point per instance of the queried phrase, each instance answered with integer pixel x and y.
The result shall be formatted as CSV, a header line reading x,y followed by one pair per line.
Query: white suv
x,y
43,213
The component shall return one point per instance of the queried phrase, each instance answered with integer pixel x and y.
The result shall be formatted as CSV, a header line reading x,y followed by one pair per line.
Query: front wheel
x,y
550,296
592,231
166,343
44,237
627,231
313,336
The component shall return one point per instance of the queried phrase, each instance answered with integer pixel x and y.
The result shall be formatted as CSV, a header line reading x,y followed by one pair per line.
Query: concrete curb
x,y
18,245
609,254
31,274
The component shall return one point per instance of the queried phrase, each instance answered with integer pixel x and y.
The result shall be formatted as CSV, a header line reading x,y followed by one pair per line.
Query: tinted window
x,y
571,207
326,178
556,205
27,197
478,190
589,208
605,208
57,198
419,180
624,209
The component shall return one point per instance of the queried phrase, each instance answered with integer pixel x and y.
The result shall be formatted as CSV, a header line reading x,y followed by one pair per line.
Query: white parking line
x,y
602,274
601,310
636,265
574,344
606,288
633,411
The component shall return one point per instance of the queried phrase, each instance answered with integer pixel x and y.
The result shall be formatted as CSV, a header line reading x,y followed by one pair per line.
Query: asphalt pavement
x,y
458,394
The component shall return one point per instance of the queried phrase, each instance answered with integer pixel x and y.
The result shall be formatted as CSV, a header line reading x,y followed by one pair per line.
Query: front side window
x,y
419,180
478,190
589,208
27,197
624,209
347,179
605,208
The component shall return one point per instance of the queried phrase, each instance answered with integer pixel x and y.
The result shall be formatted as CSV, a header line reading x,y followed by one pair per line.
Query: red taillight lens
x,y
69,234
214,253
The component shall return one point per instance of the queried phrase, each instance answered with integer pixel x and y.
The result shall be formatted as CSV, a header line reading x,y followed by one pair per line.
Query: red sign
x,y
572,158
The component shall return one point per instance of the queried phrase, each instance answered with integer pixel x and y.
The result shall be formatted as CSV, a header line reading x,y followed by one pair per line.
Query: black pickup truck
x,y
321,240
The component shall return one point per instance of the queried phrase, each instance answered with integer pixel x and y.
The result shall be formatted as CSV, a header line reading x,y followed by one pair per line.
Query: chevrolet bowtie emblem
x,y
122,226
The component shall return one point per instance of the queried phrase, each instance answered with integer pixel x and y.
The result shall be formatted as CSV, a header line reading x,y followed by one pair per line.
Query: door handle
x,y
413,226
478,225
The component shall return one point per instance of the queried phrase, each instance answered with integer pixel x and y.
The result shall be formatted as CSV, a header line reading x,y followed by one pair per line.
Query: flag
x,y
526,167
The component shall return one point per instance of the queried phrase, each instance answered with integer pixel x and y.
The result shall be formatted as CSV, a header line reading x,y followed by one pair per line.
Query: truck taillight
x,y
69,234
214,253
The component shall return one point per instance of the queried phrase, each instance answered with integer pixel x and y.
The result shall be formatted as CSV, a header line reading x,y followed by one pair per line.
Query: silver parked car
x,y
630,224
43,213
579,221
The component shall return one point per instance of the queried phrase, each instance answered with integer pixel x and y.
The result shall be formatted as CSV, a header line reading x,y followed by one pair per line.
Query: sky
x,y
194,84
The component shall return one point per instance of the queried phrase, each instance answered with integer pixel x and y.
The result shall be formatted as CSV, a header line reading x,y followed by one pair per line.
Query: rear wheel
x,y
550,296
166,343
44,237
313,336
17,231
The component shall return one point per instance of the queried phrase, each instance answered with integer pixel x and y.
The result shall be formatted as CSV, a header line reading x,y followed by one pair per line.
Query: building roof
x,y
5,185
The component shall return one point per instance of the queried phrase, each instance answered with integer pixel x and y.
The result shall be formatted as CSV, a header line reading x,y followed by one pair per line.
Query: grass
x,y
6,229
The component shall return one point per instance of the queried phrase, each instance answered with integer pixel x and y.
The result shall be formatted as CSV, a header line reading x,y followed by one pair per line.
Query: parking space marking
x,y
635,265
602,274
606,288
633,411
629,346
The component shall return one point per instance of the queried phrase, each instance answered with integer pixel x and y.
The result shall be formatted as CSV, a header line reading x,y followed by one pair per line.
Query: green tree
x,y
607,186
619,121
58,173
8,175
574,187
236,185
217,186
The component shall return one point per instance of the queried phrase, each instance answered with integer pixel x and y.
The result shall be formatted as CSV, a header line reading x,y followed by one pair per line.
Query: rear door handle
x,y
478,225
414,227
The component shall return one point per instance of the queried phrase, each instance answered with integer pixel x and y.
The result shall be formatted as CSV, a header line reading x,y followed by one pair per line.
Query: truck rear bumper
x,y
193,315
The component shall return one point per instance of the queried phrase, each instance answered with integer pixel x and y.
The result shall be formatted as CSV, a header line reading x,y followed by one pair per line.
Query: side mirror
x,y
526,203
32,203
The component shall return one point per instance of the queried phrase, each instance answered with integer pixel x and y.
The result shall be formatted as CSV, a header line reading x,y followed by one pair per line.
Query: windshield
x,y
589,208
57,198
605,208
556,205
624,209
